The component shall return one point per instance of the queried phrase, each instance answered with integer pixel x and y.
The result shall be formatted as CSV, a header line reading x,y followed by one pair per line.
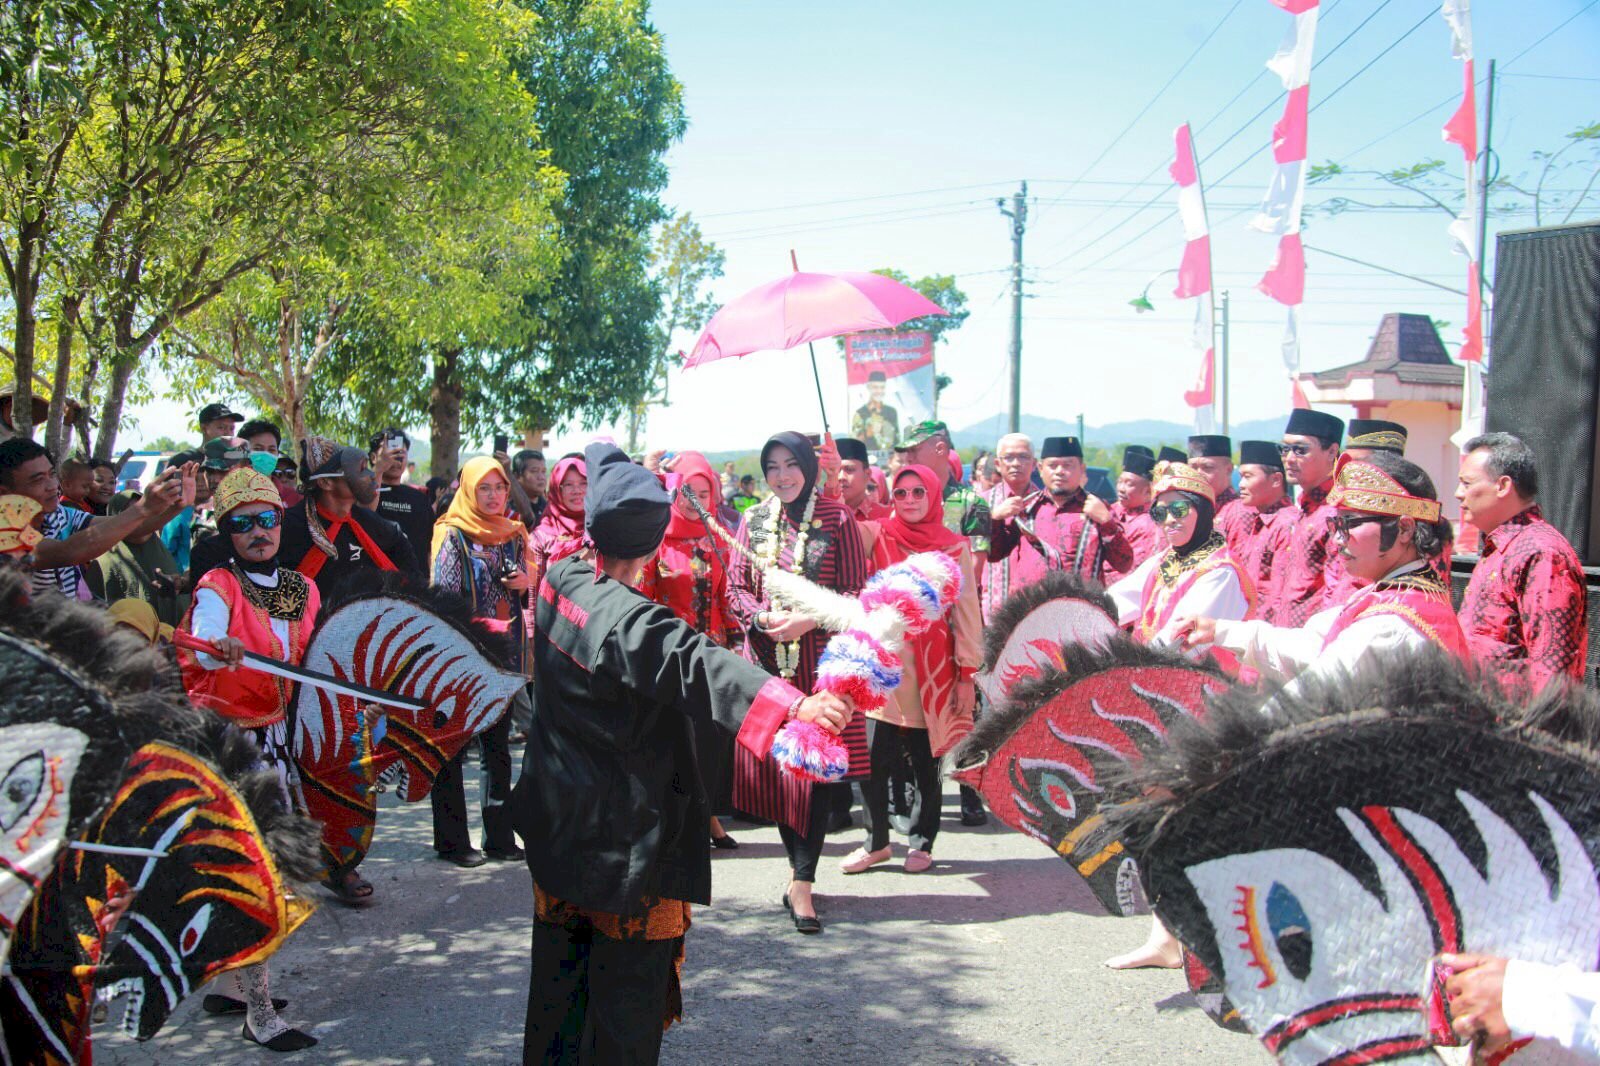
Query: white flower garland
x,y
787,655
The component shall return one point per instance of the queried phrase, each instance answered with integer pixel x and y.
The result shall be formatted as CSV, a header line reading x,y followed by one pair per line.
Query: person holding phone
x,y
405,505
477,553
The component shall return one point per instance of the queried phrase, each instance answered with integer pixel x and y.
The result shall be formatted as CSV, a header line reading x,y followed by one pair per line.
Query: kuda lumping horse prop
x,y
1025,636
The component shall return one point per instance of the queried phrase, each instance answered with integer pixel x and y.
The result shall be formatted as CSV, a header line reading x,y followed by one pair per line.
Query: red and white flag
x,y
1285,280
1194,275
1462,130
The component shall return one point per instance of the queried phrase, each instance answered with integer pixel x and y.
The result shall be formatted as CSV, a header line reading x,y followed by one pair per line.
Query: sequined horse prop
x,y
1025,636
341,745
1044,759
1316,858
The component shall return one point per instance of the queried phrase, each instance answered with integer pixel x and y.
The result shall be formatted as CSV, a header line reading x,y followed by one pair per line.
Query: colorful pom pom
x,y
858,668
811,753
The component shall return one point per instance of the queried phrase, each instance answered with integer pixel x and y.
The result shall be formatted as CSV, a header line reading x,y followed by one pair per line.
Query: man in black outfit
x,y
334,533
610,802
405,505
528,467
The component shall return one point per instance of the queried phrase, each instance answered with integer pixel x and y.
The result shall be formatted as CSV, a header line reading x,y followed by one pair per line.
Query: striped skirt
x,y
761,789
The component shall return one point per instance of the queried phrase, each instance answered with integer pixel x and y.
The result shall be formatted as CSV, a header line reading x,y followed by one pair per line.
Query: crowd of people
x,y
1284,559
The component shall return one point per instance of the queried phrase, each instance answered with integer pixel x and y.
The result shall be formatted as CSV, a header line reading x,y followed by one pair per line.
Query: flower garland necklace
x,y
787,655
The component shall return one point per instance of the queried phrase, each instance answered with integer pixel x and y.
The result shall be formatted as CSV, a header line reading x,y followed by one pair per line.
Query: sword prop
x,y
326,682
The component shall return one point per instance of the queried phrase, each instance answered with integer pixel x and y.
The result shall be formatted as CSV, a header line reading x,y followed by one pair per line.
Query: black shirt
x,y
407,507
352,558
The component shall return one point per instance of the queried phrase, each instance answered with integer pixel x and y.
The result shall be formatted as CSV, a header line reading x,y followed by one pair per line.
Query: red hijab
x,y
927,533
690,465
565,522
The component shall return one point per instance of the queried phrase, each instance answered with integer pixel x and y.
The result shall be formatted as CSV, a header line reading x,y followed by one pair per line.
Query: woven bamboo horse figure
x,y
425,650
1026,633
1044,758
1315,857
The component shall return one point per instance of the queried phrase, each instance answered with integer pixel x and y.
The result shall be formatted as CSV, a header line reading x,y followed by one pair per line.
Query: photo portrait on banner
x,y
890,378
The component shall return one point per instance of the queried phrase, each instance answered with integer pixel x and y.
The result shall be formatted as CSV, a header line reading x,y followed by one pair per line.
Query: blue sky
x,y
918,115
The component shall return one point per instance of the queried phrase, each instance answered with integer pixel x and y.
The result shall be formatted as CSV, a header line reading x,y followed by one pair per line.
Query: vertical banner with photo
x,y
890,378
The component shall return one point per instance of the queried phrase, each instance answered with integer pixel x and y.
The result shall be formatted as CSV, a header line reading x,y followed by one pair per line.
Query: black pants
x,y
449,796
595,1000
805,850
890,745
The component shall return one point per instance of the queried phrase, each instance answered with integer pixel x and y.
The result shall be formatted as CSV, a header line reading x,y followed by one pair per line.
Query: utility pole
x,y
1018,214
1485,178
1226,378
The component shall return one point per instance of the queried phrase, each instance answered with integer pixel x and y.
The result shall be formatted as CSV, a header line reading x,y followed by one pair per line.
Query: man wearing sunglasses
x,y
334,533
1387,530
1309,571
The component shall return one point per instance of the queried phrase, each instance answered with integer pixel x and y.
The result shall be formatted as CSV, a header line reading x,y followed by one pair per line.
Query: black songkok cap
x,y
850,448
1205,445
1378,435
626,509
1170,455
1260,453
1137,459
1304,422
1061,448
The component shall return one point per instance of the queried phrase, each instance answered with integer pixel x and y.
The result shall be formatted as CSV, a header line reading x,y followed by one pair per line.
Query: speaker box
x,y
1544,377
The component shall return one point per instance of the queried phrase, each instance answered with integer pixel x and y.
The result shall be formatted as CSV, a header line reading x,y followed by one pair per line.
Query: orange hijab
x,y
475,525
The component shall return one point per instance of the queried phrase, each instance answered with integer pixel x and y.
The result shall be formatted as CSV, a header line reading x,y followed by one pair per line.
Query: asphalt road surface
x,y
992,956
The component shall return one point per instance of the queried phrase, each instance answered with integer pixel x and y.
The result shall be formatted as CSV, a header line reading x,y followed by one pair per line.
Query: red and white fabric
x,y
1194,276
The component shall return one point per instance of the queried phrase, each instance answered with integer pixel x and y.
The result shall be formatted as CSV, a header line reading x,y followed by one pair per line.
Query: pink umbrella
x,y
802,307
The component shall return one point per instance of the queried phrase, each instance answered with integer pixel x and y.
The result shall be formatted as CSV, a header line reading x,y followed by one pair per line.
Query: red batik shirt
x,y
1141,532
1253,541
1308,572
1077,544
1523,611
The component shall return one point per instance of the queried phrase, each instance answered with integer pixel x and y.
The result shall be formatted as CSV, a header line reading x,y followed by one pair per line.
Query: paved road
x,y
993,956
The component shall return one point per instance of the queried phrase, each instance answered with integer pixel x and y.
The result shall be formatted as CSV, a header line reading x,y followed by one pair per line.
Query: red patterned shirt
x,y
1141,532
1253,540
1308,572
1070,542
1523,611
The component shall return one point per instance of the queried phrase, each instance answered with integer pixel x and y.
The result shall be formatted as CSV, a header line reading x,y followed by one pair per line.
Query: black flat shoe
x,y
808,924
288,1040
724,842
215,1004
512,854
467,859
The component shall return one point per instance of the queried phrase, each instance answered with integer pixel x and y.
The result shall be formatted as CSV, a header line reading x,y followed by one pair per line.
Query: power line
x,y
856,199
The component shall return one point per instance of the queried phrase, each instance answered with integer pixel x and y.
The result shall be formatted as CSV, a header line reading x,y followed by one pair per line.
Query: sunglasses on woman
x,y
240,524
910,494
1178,509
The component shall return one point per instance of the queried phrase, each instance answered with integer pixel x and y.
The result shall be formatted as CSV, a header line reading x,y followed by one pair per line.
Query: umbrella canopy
x,y
802,307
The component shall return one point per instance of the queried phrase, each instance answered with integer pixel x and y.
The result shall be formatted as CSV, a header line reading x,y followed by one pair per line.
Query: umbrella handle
x,y
815,376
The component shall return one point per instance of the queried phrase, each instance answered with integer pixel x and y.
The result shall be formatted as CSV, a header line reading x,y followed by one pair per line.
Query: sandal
x,y
353,890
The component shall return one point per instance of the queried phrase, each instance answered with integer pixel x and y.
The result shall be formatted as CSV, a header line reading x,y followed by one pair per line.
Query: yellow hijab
x,y
478,527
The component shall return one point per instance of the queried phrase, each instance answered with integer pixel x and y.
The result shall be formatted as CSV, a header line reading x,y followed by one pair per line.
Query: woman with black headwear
x,y
800,530
1194,578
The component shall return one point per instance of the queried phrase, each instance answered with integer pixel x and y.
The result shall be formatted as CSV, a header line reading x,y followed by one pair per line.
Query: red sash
x,y
314,559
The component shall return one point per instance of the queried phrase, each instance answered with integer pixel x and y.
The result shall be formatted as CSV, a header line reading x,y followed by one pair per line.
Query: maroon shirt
x,y
1078,544
1140,530
1523,611
1253,541
1309,574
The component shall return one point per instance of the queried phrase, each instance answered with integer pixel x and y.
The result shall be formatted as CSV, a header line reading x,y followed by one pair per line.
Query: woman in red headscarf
x,y
690,578
560,532
932,708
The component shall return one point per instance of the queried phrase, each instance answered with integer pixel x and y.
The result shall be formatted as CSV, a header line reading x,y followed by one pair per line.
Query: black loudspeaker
x,y
1544,377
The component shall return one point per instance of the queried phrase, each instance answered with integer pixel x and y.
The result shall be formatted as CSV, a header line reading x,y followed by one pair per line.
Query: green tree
x,y
685,264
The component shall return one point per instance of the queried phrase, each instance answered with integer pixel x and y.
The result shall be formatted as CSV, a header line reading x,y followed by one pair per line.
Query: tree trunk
x,y
635,425
444,414
25,290
111,409
58,438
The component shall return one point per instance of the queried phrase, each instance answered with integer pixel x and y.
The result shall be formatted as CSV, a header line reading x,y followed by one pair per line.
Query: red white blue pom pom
x,y
858,668
811,753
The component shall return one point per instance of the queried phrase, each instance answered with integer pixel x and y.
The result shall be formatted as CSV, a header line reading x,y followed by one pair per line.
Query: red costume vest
x,y
249,699
1419,599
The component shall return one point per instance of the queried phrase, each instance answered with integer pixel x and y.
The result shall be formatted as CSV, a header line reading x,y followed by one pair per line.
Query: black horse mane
x,y
1055,585
136,681
1078,662
451,608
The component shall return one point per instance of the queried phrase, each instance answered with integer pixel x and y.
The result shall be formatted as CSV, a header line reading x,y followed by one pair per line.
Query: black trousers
x,y
594,1000
805,849
449,796
890,746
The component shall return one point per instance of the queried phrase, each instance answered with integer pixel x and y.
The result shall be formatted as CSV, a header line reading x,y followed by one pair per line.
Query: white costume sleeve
x,y
1214,595
1128,592
210,623
1277,651
1558,1003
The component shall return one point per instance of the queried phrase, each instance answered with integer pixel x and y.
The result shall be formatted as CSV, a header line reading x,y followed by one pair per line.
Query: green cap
x,y
921,431
223,454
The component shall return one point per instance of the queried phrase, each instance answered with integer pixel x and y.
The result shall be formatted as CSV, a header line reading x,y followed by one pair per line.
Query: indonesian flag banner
x,y
1194,275
1280,210
1462,130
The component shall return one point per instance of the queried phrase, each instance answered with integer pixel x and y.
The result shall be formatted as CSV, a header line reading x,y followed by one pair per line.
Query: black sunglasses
x,y
1299,448
239,524
1178,509
1343,524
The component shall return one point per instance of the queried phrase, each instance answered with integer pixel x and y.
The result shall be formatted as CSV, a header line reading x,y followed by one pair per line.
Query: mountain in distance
x,y
1147,431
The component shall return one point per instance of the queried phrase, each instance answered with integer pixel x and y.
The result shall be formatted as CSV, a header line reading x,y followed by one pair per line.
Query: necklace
x,y
287,600
786,654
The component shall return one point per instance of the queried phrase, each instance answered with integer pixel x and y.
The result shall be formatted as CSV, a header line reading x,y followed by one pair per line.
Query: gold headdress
x,y
243,486
1181,477
1360,486
17,535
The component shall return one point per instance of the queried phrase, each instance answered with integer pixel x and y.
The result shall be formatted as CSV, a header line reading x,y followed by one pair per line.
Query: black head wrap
x,y
626,508
800,447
